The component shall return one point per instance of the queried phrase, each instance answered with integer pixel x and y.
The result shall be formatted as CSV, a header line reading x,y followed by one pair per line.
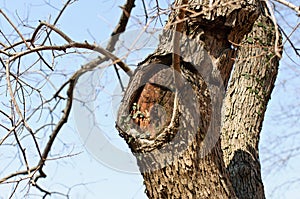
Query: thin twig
x,y
48,34
290,5
15,28
158,12
85,45
288,39
145,11
15,44
72,83
9,87
52,27
40,189
56,20
119,78
277,50
7,40
24,172
10,130
22,151
14,190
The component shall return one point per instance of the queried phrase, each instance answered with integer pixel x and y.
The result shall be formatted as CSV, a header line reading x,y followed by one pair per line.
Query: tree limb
x,y
290,5
176,36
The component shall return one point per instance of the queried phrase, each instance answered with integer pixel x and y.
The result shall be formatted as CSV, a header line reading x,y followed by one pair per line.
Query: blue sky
x,y
94,21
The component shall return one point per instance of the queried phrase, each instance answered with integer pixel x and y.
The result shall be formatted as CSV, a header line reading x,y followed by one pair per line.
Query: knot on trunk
x,y
147,117
161,117
163,109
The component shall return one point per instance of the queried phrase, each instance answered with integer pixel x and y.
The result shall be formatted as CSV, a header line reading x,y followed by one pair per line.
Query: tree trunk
x,y
245,103
172,120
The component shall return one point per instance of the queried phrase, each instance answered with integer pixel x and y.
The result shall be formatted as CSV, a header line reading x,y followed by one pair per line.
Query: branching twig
x,y
15,28
52,27
32,172
158,12
48,33
41,189
24,172
85,45
72,83
56,20
9,87
72,44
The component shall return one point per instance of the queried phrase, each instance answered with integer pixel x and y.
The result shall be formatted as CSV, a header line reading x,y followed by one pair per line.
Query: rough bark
x,y
183,157
246,100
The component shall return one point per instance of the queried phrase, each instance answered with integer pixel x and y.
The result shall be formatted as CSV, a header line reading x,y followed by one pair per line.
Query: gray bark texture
x,y
195,132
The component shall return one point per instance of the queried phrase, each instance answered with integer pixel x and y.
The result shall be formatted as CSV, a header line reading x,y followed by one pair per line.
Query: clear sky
x,y
93,21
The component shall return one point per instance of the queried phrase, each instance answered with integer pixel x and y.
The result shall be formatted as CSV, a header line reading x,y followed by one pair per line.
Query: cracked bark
x,y
247,96
185,158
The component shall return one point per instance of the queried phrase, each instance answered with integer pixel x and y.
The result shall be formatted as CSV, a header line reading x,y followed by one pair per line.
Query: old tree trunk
x,y
195,131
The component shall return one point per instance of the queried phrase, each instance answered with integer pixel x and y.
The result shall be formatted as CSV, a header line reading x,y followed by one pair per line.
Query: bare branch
x,y
9,87
290,5
72,83
52,27
57,18
85,45
121,25
270,14
145,11
119,78
62,121
289,40
120,28
15,28
24,172
40,189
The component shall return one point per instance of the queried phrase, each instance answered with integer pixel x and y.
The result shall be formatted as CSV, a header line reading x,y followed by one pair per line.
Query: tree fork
x,y
195,173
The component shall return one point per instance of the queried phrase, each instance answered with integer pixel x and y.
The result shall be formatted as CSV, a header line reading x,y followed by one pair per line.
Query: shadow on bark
x,y
245,174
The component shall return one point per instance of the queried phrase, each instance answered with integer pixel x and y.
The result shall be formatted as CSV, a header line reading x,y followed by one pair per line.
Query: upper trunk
x,y
245,103
172,121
